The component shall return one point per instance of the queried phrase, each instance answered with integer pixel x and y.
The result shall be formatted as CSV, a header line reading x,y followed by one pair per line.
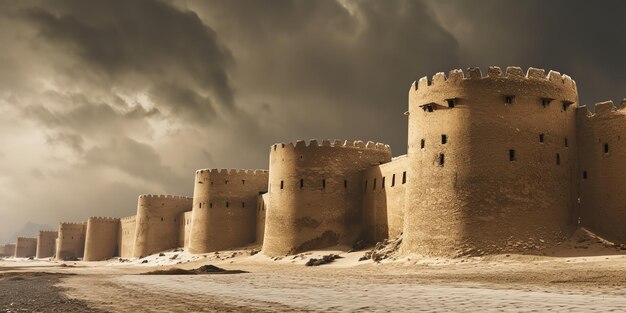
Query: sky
x,y
101,101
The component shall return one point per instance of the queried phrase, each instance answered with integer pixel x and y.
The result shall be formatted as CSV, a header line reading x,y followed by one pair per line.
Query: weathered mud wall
x,y
25,247
492,161
383,200
101,240
46,244
224,215
7,249
158,223
316,194
71,241
602,170
184,230
126,237
263,201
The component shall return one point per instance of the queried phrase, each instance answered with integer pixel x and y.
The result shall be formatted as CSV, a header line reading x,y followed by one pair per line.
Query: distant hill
x,y
28,230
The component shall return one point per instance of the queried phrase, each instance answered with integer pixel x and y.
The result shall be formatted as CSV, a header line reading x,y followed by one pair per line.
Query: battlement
x,y
231,171
513,73
314,144
70,224
99,219
126,219
170,197
48,232
26,239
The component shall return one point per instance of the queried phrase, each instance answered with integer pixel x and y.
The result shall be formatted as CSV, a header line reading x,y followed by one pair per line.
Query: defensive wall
x,y
492,161
46,244
184,230
7,249
383,200
224,215
101,240
126,237
602,169
71,241
315,194
158,222
263,201
25,247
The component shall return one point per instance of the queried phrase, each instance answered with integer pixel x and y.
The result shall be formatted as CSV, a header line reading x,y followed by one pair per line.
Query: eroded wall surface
x,y
46,244
224,214
158,221
71,241
101,241
7,250
602,170
383,200
263,201
25,247
492,162
316,194
184,230
126,237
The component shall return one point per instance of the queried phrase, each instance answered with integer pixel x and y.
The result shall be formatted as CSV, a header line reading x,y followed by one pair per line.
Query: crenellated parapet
x,y
223,215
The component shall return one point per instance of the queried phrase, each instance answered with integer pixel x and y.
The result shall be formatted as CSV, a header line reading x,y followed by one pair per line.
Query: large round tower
x,y
158,223
491,160
224,203
70,244
101,239
315,194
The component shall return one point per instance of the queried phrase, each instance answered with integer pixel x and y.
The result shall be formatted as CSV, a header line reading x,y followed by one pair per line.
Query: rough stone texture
x,y
7,249
224,214
126,237
71,241
101,241
184,230
261,208
383,200
316,194
602,197
478,201
158,223
46,244
25,247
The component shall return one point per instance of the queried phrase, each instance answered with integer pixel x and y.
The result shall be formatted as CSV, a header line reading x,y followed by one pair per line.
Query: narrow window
x,y
566,145
584,174
323,183
444,139
161,219
301,183
566,104
393,180
226,182
441,159
382,185
243,181
545,102
423,143
282,184
509,99
541,137
200,205
451,102
606,148
558,159
511,155
243,204
174,220
210,204
374,185
226,203
345,183
403,178
211,183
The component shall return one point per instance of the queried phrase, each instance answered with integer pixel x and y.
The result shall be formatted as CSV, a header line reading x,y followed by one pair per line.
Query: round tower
x,y
223,215
158,223
491,160
315,194
70,244
46,244
101,240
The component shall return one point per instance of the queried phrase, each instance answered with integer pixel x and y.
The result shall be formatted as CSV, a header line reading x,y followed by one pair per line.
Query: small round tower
x,y
223,215
158,223
315,194
101,241
70,244
491,161
46,243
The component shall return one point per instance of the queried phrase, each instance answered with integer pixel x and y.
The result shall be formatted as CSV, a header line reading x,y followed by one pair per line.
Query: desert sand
x,y
581,275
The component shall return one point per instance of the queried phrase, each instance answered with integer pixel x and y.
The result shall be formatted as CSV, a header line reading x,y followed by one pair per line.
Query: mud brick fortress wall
x,y
25,247
71,241
224,214
497,162
46,244
7,249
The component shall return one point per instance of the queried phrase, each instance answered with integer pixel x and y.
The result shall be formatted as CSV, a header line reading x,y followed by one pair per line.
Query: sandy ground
x,y
583,275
